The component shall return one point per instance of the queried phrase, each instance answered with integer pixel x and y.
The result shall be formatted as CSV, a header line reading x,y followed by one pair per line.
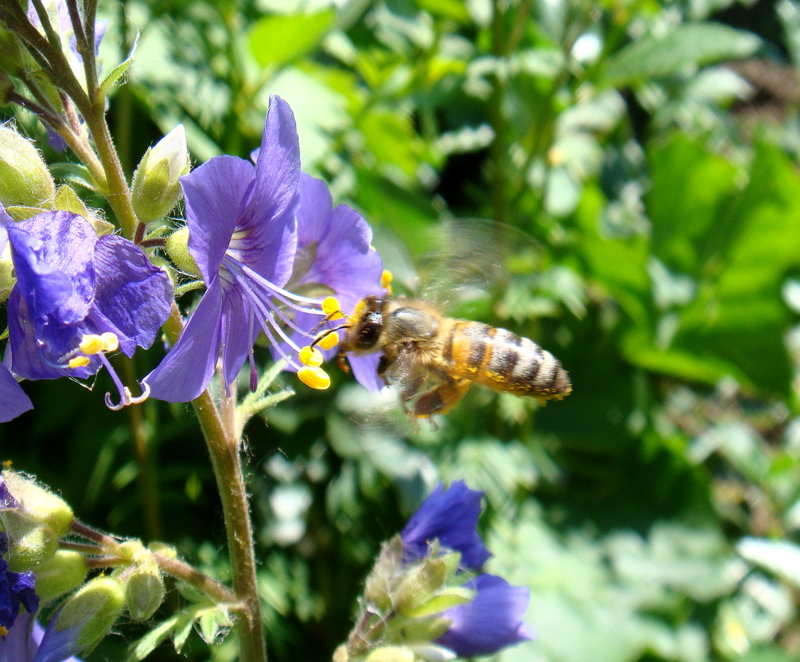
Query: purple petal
x,y
345,260
314,211
492,621
186,370
269,218
365,370
13,400
52,254
58,645
450,516
215,195
18,645
239,333
133,296
30,344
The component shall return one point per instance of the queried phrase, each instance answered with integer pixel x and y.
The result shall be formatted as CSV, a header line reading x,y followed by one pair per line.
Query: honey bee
x,y
435,359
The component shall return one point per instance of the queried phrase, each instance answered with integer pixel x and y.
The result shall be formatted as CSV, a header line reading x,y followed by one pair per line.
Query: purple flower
x,y
251,229
73,286
334,256
242,235
16,590
13,400
451,516
491,621
30,642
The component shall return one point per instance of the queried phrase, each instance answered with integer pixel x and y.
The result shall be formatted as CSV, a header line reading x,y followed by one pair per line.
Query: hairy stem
x,y
226,461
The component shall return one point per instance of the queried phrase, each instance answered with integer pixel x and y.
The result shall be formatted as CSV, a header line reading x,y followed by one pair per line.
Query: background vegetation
x,y
648,153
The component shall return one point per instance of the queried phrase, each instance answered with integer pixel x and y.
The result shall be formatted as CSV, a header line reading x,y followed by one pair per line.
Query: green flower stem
x,y
117,191
223,447
102,554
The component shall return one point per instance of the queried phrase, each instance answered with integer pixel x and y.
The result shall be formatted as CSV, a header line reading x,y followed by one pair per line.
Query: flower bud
x,y
92,611
30,542
390,654
24,177
63,573
420,585
155,188
381,582
177,247
144,592
39,503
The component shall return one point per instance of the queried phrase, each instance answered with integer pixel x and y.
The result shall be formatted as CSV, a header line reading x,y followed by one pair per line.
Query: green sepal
x,y
446,599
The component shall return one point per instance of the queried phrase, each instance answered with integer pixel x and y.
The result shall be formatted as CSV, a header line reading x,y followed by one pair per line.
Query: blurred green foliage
x,y
646,153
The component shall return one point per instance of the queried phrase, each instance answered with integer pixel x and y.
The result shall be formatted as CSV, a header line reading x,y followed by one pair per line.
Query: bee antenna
x,y
327,332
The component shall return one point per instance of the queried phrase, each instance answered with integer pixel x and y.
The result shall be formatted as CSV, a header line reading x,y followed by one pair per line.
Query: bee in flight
x,y
435,359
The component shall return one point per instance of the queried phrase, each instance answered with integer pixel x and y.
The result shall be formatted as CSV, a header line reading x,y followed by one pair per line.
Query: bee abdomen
x,y
504,361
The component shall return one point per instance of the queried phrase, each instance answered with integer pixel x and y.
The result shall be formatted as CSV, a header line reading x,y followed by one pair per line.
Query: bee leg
x,y
383,366
410,390
441,398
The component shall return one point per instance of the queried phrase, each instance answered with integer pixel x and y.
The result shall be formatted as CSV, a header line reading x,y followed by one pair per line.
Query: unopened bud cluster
x,y
32,522
404,604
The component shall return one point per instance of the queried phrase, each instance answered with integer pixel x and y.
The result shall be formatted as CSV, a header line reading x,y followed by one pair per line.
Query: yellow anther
x,y
110,341
3,631
310,356
386,280
78,362
331,308
329,341
314,377
92,344
7,464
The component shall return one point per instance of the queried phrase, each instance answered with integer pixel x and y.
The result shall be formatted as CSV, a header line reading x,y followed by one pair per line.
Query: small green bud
x,y
390,654
63,573
39,502
421,584
158,547
144,593
93,610
382,581
155,188
177,248
30,542
24,177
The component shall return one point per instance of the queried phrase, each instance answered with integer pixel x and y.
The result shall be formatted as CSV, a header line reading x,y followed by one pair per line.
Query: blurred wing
x,y
468,263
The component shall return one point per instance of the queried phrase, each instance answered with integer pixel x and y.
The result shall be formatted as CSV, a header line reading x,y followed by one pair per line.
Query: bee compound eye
x,y
368,334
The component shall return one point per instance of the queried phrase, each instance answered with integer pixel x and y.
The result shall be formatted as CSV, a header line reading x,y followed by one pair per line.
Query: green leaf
x,y
113,78
75,174
147,644
686,45
747,252
690,187
276,40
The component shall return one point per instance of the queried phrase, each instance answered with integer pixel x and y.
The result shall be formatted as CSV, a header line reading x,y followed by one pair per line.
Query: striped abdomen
x,y
503,361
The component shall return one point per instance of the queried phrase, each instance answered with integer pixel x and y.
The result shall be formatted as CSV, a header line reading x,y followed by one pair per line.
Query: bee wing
x,y
468,261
